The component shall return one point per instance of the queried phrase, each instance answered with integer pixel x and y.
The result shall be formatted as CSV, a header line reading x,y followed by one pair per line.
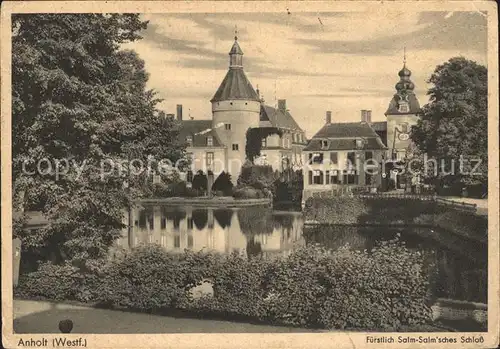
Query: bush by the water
x,y
223,184
312,287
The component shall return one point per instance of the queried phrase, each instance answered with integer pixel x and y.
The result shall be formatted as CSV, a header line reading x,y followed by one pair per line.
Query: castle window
x,y
351,159
316,158
317,177
324,144
210,141
334,158
359,144
403,108
264,142
350,177
210,159
334,177
227,127
235,147
189,140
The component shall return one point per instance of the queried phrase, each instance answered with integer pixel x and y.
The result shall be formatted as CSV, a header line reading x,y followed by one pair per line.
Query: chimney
x,y
369,116
363,115
366,116
328,117
179,112
282,104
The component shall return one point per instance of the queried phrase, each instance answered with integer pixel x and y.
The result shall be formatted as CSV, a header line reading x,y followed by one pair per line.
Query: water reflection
x,y
253,231
460,265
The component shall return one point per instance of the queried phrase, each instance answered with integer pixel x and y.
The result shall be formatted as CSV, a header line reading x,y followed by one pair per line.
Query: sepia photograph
x,y
297,174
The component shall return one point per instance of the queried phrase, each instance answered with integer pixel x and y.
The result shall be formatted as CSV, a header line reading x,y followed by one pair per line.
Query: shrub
x,y
161,190
56,282
381,289
245,192
200,181
239,287
148,278
223,184
257,176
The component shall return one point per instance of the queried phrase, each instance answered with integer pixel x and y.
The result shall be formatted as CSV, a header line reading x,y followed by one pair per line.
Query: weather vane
x,y
235,32
404,55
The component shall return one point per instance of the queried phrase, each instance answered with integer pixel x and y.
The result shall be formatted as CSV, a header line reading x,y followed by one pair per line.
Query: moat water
x,y
257,231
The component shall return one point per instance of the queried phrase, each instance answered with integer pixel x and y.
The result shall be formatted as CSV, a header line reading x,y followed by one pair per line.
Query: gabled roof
x,y
278,118
235,86
345,130
379,125
414,105
342,136
192,127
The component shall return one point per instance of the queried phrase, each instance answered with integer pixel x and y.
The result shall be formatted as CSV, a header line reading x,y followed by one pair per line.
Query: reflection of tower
x,y
235,104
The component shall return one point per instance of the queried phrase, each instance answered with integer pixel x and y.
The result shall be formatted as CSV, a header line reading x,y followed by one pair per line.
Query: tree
x,y
254,137
200,181
454,123
223,184
78,99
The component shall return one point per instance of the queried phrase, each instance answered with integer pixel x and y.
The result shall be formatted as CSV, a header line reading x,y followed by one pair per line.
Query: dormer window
x,y
324,144
210,141
359,143
189,140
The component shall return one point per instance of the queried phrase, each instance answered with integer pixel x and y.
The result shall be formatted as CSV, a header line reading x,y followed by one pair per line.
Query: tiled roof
x,y
235,86
342,136
414,105
345,130
379,125
191,127
278,118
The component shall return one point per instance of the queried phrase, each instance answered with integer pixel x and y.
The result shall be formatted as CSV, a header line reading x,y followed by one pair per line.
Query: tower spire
x,y
236,54
404,56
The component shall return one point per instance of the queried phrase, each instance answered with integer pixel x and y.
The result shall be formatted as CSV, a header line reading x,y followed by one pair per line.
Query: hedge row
x,y
313,287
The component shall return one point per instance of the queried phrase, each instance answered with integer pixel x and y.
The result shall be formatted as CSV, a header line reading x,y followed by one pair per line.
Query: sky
x,y
338,61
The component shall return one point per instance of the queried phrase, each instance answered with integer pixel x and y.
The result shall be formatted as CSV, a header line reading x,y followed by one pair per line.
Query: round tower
x,y
235,109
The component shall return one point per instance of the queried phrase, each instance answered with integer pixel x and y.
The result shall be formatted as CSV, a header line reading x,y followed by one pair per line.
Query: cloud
x,y
438,33
155,37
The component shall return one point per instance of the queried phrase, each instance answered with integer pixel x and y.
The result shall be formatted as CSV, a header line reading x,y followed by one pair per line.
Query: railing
x,y
458,205
424,197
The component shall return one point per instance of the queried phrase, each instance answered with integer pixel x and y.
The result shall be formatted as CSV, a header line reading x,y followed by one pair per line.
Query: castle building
x,y
341,156
336,156
218,144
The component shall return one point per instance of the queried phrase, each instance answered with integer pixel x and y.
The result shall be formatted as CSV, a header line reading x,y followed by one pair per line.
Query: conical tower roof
x,y
235,84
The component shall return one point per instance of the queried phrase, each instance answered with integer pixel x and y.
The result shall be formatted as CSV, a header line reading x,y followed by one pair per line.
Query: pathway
x,y
44,317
